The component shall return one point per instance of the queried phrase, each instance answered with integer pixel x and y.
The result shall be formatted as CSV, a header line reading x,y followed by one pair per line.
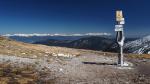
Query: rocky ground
x,y
22,63
84,69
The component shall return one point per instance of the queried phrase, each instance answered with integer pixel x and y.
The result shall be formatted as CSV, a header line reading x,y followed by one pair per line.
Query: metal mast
x,y
120,35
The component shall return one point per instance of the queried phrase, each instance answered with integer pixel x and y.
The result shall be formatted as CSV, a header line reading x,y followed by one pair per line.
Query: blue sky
x,y
73,16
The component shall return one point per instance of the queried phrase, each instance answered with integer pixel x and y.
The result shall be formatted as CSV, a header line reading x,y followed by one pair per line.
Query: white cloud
x,y
36,34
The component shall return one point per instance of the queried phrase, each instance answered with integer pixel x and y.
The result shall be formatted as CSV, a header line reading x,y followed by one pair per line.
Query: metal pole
x,y
121,56
120,36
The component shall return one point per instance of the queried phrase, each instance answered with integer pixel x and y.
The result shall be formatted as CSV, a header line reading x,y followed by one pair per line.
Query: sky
x,y
73,16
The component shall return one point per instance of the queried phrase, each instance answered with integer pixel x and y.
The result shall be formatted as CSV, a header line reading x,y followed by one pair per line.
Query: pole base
x,y
125,64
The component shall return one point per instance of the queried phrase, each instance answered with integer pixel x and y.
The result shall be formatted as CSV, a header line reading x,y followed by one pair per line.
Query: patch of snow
x,y
62,55
61,70
148,52
138,46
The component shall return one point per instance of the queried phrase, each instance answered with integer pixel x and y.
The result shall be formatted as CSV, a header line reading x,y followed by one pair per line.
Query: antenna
x,y
120,21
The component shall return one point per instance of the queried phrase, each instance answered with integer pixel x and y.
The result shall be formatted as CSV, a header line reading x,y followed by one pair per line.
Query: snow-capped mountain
x,y
139,46
36,34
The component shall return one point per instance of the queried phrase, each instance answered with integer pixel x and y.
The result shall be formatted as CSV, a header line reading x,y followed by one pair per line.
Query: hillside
x,y
140,46
11,47
93,43
107,44
22,63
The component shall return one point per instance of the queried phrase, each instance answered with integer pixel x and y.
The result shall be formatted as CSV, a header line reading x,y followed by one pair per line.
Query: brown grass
x,y
140,56
11,47
16,75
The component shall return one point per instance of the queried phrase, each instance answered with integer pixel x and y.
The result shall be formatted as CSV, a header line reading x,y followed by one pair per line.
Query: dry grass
x,y
16,75
11,47
140,56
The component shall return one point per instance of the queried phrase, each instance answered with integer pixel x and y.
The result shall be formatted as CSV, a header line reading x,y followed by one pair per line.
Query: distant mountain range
x,y
36,34
97,42
92,42
32,38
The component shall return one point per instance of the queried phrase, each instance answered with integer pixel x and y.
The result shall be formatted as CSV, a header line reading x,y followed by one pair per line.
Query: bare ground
x,y
84,69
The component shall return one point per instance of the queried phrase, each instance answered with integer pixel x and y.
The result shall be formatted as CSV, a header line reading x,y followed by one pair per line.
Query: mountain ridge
x,y
57,34
139,46
92,42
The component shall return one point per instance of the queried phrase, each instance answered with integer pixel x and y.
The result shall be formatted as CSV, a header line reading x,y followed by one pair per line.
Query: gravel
x,y
85,69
